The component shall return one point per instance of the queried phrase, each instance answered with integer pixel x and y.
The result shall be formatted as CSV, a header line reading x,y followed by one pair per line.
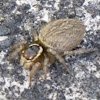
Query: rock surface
x,y
16,19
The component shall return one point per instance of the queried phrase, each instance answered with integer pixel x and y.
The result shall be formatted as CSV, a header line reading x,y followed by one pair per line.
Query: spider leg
x,y
79,51
17,45
35,68
59,58
18,50
45,66
14,54
28,65
22,61
34,33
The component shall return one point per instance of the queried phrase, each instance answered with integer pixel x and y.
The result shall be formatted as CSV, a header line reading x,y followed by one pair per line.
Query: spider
x,y
56,39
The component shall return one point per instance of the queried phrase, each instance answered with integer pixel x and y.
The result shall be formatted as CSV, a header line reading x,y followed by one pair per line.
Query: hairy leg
x,y
14,54
28,65
79,51
22,61
18,48
18,45
59,58
35,68
35,35
45,66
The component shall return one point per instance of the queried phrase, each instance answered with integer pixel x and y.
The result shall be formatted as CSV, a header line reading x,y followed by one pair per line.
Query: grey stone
x,y
24,8
5,43
4,31
84,83
71,12
78,3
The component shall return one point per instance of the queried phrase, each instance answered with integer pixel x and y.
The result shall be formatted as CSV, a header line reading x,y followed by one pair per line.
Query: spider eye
x,y
31,52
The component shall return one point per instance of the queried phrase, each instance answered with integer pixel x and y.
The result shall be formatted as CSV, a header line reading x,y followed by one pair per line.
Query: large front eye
x,y
31,52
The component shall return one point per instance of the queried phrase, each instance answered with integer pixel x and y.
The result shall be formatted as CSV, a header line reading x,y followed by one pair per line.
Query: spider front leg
x,y
35,35
18,45
79,51
14,54
59,58
15,49
45,66
35,68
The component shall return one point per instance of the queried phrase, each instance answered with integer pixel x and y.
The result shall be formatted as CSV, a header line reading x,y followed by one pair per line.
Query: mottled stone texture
x,y
16,19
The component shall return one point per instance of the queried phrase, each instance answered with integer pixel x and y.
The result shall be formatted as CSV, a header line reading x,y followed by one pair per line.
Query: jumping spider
x,y
56,39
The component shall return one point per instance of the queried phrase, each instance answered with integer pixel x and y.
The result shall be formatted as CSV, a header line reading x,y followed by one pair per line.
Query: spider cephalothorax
x,y
56,39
